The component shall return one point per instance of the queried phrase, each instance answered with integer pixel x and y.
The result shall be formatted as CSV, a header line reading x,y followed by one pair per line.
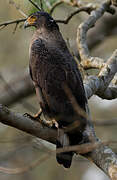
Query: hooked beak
x,y
26,24
30,21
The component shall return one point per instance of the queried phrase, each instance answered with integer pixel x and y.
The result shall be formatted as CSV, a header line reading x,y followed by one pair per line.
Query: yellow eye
x,y
31,19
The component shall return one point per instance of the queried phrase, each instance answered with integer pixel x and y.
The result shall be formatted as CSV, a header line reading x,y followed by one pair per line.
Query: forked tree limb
x,y
99,84
96,84
87,60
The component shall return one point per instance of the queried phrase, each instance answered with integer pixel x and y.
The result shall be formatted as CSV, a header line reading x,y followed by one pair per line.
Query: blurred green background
x,y
17,149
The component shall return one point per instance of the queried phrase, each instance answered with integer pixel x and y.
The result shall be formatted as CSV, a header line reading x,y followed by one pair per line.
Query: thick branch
x,y
98,85
106,160
100,155
94,84
26,124
87,60
110,93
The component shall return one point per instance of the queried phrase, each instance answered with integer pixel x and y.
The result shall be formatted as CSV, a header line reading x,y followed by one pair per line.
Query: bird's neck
x,y
50,36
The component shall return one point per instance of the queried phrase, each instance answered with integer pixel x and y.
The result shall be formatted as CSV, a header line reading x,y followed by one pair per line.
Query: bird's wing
x,y
50,70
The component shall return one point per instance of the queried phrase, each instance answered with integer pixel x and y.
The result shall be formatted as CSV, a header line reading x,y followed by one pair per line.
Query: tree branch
x,y
85,9
26,124
110,93
98,85
93,84
99,153
54,6
4,24
35,5
106,160
87,60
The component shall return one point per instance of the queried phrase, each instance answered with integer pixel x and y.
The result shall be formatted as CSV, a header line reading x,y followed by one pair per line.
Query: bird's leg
x,y
35,117
49,123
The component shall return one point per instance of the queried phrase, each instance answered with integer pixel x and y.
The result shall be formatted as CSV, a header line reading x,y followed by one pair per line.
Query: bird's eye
x,y
32,19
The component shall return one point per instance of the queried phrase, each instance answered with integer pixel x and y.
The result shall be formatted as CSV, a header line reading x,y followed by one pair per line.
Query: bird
x,y
58,83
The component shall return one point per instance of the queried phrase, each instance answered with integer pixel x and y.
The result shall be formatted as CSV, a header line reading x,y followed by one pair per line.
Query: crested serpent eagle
x,y
54,72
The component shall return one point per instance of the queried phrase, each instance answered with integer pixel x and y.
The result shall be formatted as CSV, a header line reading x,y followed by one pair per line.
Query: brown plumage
x,y
52,68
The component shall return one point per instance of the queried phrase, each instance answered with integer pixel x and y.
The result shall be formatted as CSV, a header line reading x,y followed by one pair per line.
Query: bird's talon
x,y
35,117
27,115
55,124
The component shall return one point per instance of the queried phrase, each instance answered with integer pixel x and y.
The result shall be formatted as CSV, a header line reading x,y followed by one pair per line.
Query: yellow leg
x,y
35,117
50,123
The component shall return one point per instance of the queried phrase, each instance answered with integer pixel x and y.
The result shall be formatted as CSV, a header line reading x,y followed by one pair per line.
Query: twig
x,y
85,147
86,9
4,24
35,5
41,3
16,25
54,6
2,27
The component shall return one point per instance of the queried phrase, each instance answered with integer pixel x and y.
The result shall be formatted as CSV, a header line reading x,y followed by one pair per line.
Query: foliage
x,y
46,5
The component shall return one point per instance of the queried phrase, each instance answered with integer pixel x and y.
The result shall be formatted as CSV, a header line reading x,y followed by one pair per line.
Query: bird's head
x,y
40,19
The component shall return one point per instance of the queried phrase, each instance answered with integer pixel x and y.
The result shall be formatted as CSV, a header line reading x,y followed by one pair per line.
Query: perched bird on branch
x,y
58,83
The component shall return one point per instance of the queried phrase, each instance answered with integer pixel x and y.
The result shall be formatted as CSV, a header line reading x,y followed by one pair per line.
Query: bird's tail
x,y
63,158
